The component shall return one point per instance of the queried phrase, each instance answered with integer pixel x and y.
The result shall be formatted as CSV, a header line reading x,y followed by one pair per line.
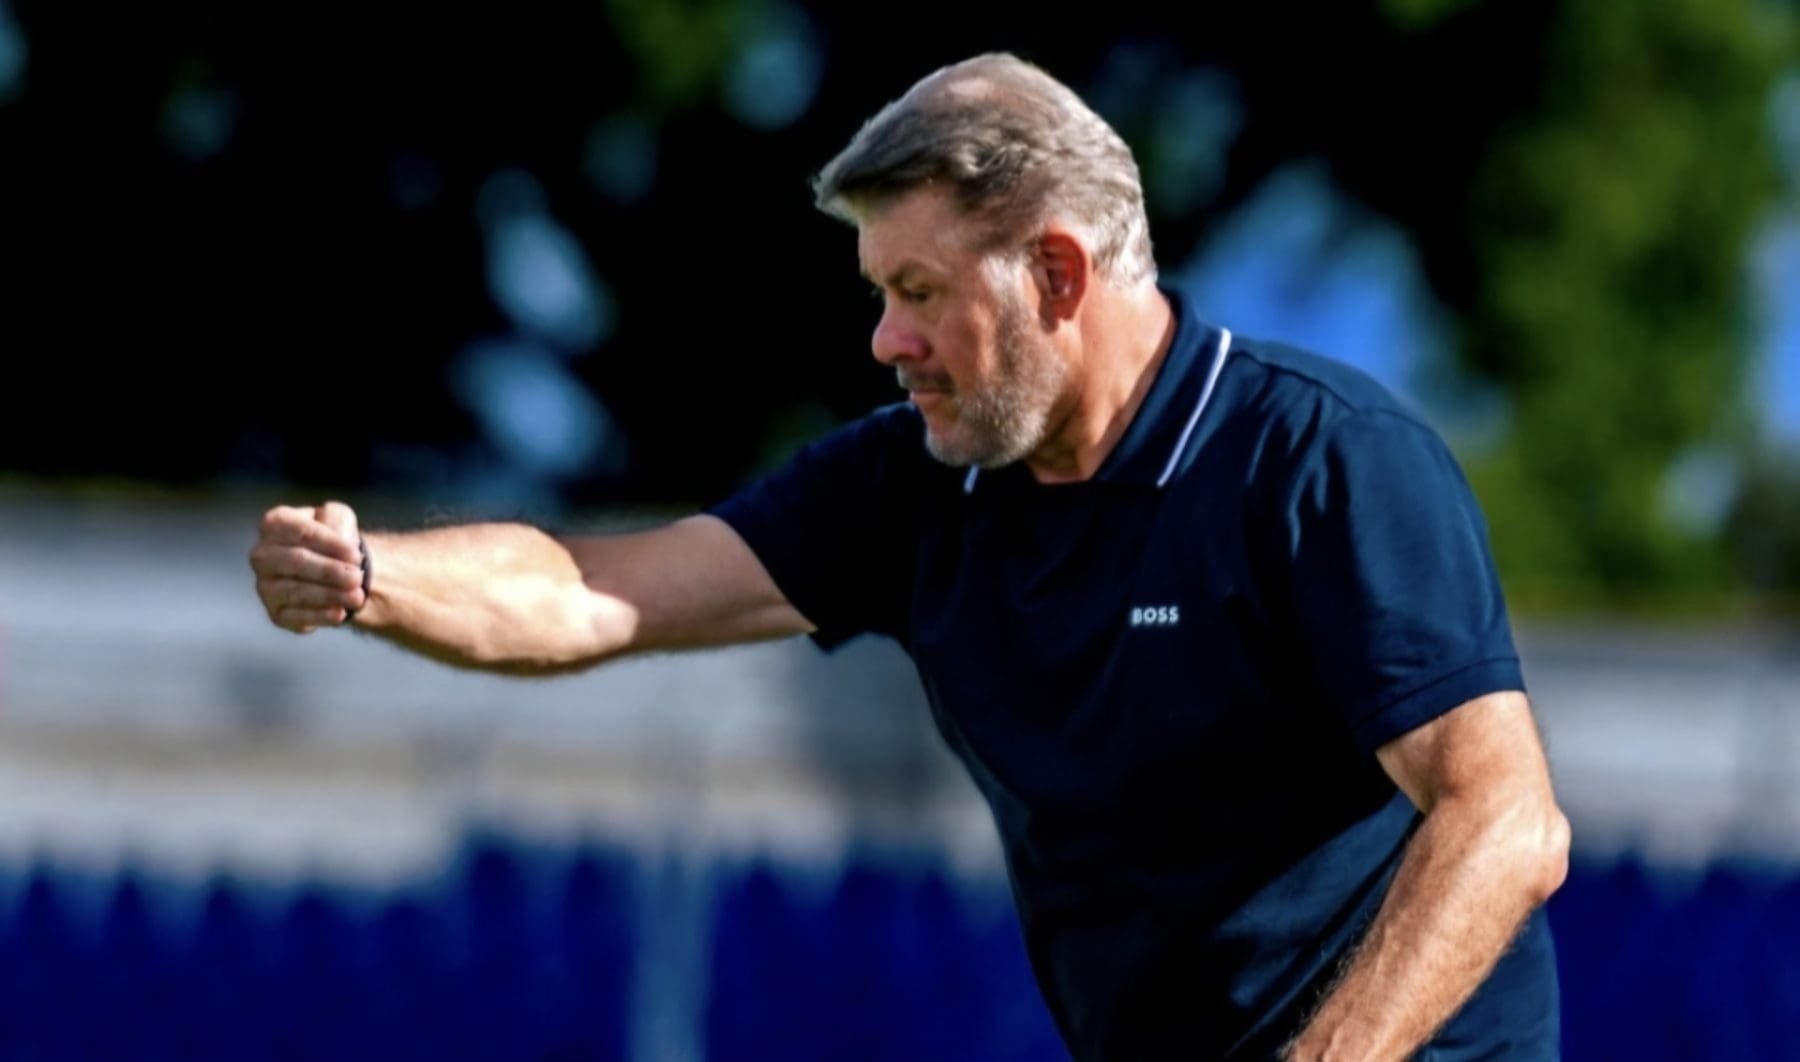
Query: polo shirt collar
x,y
1166,425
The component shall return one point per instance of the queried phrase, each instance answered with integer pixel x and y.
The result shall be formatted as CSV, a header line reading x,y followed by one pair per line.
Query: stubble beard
x,y
1008,417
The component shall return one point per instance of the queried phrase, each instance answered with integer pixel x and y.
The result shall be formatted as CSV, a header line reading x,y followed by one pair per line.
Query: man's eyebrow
x,y
897,276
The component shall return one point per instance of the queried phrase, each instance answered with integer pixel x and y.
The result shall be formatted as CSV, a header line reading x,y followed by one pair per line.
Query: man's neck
x,y
1124,338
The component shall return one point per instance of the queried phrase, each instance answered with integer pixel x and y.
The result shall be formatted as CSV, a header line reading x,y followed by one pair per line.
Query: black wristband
x,y
368,572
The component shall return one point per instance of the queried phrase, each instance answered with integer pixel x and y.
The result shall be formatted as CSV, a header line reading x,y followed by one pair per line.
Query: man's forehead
x,y
923,227
894,266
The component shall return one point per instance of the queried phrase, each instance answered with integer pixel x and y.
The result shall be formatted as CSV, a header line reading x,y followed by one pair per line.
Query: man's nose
x,y
893,341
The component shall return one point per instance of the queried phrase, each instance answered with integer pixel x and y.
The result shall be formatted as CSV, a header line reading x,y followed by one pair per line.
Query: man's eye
x,y
912,295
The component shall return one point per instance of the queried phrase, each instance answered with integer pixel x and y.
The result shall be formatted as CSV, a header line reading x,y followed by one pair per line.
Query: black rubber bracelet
x,y
368,570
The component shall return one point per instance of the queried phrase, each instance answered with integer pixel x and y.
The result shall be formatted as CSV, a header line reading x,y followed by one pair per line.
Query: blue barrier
x,y
473,967
1664,965
887,963
529,953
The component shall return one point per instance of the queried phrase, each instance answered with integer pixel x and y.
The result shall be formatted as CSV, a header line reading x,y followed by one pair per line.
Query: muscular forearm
x,y
1469,879
500,597
513,599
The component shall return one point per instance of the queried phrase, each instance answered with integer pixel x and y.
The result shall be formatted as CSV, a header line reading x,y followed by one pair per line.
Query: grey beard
x,y
1006,421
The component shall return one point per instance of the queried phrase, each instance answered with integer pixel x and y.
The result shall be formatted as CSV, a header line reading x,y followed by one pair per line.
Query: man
x,y
1212,622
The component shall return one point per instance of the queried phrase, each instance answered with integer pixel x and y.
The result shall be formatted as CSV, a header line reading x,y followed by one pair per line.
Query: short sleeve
x,y
1395,590
835,526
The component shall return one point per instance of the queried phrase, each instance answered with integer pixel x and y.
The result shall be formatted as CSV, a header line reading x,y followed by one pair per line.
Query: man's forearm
x,y
499,597
1469,879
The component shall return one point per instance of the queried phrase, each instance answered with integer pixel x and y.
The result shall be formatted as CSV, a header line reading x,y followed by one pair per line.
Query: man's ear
x,y
1063,270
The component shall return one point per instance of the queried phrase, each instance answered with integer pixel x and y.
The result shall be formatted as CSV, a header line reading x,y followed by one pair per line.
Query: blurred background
x,y
557,262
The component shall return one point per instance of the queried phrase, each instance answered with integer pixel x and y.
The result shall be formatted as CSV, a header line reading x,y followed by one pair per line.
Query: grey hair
x,y
1017,148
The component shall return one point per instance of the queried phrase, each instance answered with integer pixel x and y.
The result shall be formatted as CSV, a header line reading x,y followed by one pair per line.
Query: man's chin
x,y
963,452
949,450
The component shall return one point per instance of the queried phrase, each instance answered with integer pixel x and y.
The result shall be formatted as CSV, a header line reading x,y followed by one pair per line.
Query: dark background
x,y
248,246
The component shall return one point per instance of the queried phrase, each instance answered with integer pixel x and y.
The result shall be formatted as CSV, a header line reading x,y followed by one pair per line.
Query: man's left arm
x,y
1492,847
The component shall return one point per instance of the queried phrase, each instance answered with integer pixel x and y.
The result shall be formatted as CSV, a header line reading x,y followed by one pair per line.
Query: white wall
x,y
149,711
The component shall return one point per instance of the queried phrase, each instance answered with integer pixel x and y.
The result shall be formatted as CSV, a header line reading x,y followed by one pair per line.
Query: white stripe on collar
x,y
1212,380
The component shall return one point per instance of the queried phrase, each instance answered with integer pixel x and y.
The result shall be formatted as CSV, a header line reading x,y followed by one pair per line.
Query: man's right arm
x,y
514,599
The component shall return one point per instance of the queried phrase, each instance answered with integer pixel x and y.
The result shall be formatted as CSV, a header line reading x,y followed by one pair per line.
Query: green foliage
x,y
1609,224
1765,528
1416,13
680,45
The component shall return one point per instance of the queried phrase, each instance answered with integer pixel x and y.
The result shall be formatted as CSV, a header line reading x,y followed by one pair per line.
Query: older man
x,y
1211,621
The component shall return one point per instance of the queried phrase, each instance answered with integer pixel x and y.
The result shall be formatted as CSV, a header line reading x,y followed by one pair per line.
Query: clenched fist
x,y
308,566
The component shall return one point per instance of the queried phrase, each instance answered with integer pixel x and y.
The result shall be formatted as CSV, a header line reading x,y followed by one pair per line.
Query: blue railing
x,y
522,952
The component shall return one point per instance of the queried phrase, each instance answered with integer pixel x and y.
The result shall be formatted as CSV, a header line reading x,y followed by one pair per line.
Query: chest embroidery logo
x,y
1155,615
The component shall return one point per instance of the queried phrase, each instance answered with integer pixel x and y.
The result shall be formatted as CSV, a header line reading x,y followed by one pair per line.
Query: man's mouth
x,y
926,395
917,386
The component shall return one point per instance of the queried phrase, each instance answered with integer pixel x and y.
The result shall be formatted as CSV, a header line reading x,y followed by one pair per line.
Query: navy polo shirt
x,y
1169,680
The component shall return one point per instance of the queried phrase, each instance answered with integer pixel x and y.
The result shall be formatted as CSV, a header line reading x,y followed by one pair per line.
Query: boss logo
x,y
1155,615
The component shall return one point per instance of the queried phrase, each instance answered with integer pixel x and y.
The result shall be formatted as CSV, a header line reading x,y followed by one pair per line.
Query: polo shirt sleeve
x,y
833,528
1395,591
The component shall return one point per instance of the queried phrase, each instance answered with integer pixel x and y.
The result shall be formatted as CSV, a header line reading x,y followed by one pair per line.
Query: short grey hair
x,y
1016,147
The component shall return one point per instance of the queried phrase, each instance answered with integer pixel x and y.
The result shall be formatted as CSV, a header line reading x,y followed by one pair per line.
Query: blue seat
x,y
224,1001
46,1013
1607,919
131,981
593,953
767,967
